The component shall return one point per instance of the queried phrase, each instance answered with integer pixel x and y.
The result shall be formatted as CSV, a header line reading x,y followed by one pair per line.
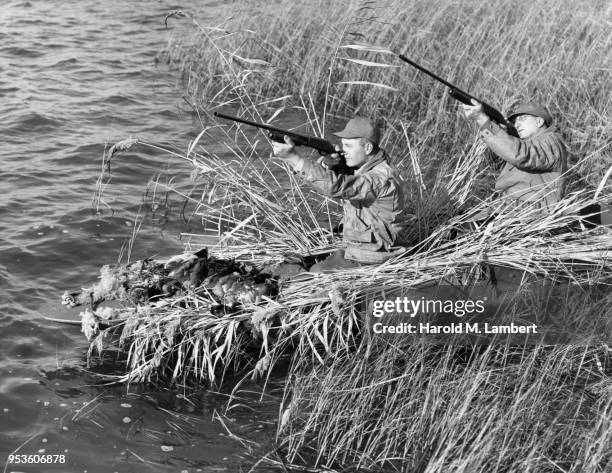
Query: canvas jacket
x,y
533,167
373,202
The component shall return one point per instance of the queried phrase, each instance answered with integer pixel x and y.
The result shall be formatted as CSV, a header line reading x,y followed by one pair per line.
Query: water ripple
x,y
21,52
34,122
64,63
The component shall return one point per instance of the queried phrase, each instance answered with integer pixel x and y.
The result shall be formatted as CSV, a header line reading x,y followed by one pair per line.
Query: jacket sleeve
x,y
540,154
358,187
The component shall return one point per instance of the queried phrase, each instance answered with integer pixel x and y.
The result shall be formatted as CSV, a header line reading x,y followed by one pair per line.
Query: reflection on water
x,y
76,77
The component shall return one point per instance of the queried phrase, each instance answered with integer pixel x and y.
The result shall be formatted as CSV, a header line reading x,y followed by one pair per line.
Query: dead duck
x,y
135,282
190,268
234,286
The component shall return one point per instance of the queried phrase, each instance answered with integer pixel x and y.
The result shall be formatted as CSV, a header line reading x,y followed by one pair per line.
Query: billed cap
x,y
359,127
531,109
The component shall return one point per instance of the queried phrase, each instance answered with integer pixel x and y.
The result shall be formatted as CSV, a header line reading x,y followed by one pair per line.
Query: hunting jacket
x,y
373,202
533,167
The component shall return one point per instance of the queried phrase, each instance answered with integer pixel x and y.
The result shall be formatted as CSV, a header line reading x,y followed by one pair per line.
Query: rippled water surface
x,y
77,76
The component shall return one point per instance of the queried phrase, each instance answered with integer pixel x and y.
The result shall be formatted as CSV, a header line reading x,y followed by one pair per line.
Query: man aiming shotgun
x,y
372,197
534,162
533,151
367,184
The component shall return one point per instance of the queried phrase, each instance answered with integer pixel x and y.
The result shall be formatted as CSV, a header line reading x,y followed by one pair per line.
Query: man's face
x,y
527,125
354,152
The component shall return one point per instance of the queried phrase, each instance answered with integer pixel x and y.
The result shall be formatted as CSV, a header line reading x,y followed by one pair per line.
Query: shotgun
x,y
324,147
463,97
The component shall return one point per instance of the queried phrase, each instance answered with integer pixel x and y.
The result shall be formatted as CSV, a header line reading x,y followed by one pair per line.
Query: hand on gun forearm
x,y
475,112
286,151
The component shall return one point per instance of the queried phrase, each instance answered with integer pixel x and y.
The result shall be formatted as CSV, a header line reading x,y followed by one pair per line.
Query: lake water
x,y
78,76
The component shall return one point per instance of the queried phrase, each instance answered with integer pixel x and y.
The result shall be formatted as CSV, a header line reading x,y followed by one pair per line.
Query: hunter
x,y
372,196
534,163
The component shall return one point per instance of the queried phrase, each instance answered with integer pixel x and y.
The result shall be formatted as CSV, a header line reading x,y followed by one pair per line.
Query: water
x,y
78,76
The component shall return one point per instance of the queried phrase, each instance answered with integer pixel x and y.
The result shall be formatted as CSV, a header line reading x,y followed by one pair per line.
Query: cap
x,y
359,127
531,109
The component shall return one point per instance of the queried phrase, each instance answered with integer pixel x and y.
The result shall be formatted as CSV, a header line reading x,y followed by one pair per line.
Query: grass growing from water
x,y
362,403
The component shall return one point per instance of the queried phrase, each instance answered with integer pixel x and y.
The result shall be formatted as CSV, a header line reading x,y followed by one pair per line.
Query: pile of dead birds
x,y
226,284
148,280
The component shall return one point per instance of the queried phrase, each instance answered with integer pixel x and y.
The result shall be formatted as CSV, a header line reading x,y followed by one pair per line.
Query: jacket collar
x,y
372,162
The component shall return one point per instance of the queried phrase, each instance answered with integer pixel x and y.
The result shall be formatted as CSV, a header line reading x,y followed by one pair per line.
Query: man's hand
x,y
283,150
474,112
330,161
286,151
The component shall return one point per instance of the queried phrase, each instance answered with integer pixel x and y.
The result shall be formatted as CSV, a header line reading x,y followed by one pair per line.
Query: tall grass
x,y
356,402
447,408
554,52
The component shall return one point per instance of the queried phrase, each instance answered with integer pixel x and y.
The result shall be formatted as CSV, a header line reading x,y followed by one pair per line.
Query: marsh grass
x,y
353,401
548,51
444,408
